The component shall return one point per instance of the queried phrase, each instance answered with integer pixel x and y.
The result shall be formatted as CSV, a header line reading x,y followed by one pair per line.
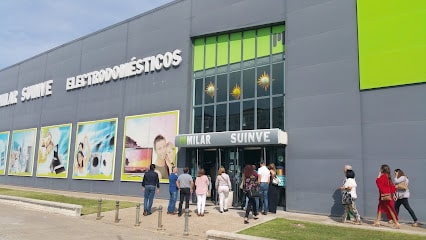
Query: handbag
x,y
253,192
275,180
346,198
402,186
385,197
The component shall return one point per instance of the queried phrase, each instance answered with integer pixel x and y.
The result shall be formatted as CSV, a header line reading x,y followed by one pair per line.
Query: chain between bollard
x,y
98,217
117,209
185,231
138,210
160,218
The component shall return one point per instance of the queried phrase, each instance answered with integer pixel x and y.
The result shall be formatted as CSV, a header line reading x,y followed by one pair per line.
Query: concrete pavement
x,y
172,225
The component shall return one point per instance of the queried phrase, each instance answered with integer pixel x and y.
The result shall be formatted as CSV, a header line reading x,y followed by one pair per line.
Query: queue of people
x,y
392,194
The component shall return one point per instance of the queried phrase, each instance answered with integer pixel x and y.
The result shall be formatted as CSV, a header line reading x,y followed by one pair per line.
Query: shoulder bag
x,y
346,198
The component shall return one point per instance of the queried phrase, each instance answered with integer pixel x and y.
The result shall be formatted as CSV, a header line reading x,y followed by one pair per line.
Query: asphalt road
x,y
17,223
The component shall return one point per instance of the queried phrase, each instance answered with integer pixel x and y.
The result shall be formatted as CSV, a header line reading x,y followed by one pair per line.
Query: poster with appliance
x,y
53,151
4,144
21,158
149,139
94,154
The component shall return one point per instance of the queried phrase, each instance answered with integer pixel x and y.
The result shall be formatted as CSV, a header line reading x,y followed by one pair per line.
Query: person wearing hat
x,y
150,183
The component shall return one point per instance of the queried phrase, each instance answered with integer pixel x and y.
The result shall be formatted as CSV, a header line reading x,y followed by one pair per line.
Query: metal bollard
x,y
138,210
98,217
185,231
117,208
160,218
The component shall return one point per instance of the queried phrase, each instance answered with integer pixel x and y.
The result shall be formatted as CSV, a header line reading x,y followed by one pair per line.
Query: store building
x,y
206,84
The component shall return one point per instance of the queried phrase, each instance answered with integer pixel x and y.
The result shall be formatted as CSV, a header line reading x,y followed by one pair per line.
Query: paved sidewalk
x,y
231,221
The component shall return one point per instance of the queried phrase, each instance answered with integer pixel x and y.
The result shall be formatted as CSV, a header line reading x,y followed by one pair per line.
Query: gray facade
x,y
329,121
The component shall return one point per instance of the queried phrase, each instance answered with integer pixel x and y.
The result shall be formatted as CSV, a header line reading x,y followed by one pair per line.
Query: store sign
x,y
35,91
235,138
129,69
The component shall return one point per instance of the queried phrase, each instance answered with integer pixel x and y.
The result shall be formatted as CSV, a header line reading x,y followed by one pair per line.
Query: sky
x,y
31,27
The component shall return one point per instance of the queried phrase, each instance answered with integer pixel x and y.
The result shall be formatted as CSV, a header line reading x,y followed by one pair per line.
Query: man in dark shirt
x,y
149,183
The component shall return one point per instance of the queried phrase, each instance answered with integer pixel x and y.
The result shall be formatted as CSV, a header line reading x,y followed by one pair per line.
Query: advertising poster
x,y
22,151
95,150
53,151
149,139
4,143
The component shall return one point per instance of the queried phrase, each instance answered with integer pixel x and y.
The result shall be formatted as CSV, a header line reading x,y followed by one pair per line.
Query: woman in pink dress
x,y
202,186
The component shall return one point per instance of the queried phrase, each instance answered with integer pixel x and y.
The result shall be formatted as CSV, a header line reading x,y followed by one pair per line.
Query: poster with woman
x,y
95,150
149,139
4,144
53,151
21,157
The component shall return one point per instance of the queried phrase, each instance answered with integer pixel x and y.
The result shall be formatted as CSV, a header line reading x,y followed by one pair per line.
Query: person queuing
x,y
264,178
350,185
185,185
201,188
250,186
173,190
223,187
149,183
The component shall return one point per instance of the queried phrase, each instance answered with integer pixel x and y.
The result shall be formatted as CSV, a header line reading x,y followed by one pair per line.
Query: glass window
x,y
235,85
263,113
198,118
208,118
198,92
221,117
234,116
222,90
248,115
278,78
248,83
263,81
209,90
278,112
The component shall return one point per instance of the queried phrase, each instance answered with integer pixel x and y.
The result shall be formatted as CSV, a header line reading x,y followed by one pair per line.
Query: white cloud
x,y
31,27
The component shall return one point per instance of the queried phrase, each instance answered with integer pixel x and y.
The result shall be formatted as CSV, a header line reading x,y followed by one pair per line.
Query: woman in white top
x,y
350,185
223,186
403,194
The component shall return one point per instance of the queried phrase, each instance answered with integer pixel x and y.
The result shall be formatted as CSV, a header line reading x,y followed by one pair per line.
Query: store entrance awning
x,y
259,137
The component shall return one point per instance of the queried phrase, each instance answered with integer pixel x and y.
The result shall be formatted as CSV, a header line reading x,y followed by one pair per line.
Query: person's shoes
x,y
221,211
199,214
264,213
225,210
179,214
149,213
343,220
357,223
376,224
396,226
202,214
256,217
390,222
145,213
416,224
246,221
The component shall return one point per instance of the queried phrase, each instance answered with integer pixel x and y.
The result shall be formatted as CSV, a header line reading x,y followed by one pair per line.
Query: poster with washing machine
x,y
4,144
149,139
21,157
94,154
53,151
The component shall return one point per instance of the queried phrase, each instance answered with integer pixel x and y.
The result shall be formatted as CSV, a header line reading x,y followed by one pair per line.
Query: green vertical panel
x,y
235,47
210,52
278,39
263,42
198,54
222,50
249,45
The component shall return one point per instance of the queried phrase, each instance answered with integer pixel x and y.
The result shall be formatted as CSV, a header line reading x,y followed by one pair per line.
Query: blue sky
x,y
30,27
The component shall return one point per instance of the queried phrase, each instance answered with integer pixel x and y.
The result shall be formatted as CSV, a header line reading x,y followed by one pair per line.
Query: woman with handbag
x,y
251,190
274,189
386,196
223,187
401,182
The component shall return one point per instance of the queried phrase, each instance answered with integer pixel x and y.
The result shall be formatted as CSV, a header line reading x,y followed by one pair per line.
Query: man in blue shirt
x,y
173,191
149,183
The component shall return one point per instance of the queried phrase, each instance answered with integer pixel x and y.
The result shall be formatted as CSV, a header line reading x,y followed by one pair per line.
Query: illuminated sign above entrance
x,y
234,138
